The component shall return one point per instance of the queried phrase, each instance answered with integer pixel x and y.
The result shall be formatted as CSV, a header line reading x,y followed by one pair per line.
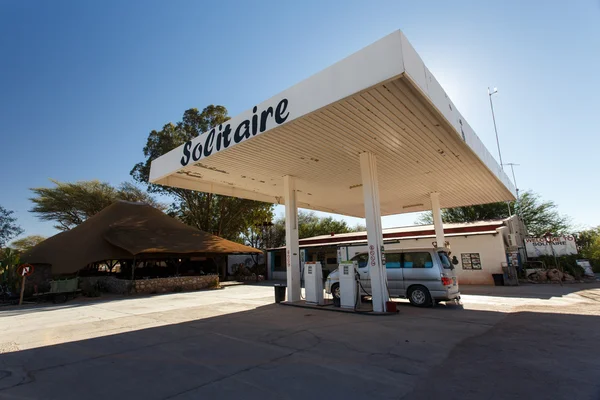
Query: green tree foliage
x,y
480,212
309,225
8,226
9,262
70,204
589,246
539,216
27,243
224,216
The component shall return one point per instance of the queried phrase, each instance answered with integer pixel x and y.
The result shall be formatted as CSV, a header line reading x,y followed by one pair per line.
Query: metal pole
x,y
490,93
512,168
22,290
512,165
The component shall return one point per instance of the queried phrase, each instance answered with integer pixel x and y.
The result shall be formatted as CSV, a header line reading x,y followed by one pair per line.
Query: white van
x,y
424,276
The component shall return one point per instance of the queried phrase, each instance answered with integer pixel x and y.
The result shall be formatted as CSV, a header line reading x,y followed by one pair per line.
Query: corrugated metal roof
x,y
381,99
448,227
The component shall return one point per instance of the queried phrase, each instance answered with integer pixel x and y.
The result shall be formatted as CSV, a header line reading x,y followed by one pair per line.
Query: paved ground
x,y
528,342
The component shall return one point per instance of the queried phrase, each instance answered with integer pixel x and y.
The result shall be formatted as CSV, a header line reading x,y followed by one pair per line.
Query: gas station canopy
x,y
382,100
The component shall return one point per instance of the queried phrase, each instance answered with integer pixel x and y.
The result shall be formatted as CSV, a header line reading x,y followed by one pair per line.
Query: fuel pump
x,y
313,282
348,284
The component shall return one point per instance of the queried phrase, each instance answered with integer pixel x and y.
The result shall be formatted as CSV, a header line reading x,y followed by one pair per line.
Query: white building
x,y
481,248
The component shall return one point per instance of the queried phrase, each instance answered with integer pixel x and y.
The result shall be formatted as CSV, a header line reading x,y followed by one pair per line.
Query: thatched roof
x,y
121,231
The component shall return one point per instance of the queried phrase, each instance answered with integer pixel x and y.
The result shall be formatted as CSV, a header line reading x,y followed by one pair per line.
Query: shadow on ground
x,y
276,352
82,301
542,291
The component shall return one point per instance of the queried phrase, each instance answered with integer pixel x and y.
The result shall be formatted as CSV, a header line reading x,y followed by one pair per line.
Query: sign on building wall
x,y
471,260
563,245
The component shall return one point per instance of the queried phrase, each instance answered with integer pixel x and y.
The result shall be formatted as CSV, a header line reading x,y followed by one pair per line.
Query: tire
x,y
419,296
335,290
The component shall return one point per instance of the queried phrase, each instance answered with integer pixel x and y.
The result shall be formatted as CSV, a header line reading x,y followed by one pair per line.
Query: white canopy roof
x,y
382,99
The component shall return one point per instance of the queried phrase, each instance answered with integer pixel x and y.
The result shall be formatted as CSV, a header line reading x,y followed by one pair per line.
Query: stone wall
x,y
176,284
40,279
242,278
107,284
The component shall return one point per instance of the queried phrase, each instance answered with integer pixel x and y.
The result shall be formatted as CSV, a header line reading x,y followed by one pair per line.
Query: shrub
x,y
178,289
90,290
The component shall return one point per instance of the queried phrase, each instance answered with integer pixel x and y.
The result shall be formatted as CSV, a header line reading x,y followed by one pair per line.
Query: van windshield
x,y
445,260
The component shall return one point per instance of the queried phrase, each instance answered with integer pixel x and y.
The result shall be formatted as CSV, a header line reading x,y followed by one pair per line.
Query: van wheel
x,y
419,296
335,290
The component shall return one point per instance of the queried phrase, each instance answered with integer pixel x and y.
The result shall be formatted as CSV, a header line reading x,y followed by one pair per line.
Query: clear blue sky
x,y
83,82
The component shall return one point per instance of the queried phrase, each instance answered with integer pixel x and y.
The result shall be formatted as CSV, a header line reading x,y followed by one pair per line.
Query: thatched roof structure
x,y
124,230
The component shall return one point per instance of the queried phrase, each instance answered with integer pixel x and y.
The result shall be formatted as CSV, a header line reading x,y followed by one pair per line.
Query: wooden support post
x,y
133,269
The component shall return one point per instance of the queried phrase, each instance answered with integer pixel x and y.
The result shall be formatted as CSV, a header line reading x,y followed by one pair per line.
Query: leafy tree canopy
x,y
538,215
70,204
27,243
8,226
589,246
309,224
224,216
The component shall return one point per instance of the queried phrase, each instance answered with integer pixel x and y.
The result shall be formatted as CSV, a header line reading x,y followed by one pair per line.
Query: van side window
x,y
392,260
362,259
417,260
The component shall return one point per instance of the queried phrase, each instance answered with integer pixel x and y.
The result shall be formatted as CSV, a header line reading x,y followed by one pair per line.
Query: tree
x,y
309,225
70,204
480,212
539,216
9,262
27,243
224,216
588,242
8,226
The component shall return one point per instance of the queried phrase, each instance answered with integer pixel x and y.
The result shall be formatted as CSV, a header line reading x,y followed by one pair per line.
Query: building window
x,y
392,260
417,260
471,261
279,264
331,260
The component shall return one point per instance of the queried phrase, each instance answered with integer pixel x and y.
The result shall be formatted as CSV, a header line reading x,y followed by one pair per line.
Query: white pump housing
x,y
348,284
313,282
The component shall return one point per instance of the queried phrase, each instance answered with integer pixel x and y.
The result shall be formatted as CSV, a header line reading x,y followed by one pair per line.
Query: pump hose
x,y
369,294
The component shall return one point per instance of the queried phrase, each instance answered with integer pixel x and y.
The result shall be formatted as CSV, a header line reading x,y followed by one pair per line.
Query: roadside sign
x,y
25,270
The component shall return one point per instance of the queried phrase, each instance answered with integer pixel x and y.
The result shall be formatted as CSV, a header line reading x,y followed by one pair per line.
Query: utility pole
x,y
512,165
490,93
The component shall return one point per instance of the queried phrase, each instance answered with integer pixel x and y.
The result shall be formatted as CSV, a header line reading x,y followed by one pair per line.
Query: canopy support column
x,y
291,239
438,224
377,272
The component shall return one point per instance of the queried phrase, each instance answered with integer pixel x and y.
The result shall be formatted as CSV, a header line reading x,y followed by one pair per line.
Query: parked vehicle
x,y
423,276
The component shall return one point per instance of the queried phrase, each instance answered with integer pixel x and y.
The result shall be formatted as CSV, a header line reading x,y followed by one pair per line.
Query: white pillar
x,y
437,219
368,169
291,239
